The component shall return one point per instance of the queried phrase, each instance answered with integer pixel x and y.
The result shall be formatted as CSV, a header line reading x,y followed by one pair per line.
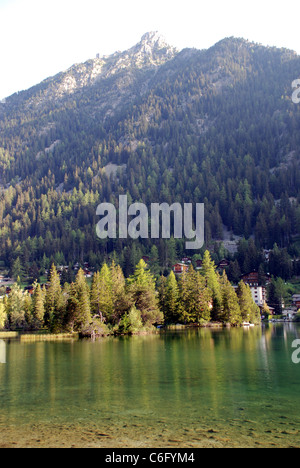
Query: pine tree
x,y
81,293
38,312
171,299
154,260
14,308
101,294
141,287
161,289
120,300
53,301
231,308
131,323
3,316
213,283
195,298
28,309
17,270
249,310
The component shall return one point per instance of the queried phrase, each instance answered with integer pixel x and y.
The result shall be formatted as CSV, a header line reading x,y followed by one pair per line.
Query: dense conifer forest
x,y
113,304
216,126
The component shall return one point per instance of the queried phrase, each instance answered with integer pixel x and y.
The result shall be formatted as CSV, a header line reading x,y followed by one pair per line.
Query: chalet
x,y
251,278
199,264
223,264
296,301
87,273
180,268
146,259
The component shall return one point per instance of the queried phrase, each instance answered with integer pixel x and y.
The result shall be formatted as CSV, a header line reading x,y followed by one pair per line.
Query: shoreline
x,y
38,336
138,435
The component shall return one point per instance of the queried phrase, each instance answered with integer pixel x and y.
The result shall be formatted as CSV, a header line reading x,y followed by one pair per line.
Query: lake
x,y
191,388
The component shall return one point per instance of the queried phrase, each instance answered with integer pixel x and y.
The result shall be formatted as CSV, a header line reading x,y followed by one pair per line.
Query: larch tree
x,y
141,287
231,307
81,293
249,310
38,312
101,294
14,308
53,301
213,283
171,299
195,297
120,300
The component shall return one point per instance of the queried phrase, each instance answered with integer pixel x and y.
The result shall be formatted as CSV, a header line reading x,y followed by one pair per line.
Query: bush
x,y
131,322
95,329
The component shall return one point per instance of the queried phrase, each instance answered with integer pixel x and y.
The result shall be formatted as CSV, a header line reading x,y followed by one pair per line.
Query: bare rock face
x,y
121,67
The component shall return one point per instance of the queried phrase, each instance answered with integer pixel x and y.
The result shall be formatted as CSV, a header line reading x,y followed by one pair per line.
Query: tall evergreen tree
x,y
3,316
17,271
141,287
249,310
120,300
101,294
81,293
53,300
230,303
38,313
14,308
195,297
213,283
171,299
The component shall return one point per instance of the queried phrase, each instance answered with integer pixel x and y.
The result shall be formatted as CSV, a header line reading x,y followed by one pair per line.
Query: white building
x,y
290,312
259,295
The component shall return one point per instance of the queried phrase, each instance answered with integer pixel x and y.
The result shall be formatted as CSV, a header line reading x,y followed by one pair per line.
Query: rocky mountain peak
x,y
155,40
153,48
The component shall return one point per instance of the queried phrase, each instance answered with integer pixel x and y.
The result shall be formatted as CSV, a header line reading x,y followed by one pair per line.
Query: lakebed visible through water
x,y
190,388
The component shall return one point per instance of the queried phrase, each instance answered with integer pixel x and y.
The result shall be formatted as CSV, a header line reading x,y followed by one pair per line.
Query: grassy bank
x,y
49,337
9,334
24,337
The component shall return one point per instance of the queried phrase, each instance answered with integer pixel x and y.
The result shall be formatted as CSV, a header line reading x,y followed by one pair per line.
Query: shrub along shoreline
x,y
115,305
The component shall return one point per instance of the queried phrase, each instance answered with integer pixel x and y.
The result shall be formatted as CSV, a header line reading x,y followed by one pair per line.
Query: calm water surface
x,y
192,388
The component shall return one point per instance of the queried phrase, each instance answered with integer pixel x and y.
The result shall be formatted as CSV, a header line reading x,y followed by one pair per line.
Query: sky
x,y
40,38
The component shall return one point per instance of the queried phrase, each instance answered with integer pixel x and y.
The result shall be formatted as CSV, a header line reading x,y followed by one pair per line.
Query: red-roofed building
x,y
180,268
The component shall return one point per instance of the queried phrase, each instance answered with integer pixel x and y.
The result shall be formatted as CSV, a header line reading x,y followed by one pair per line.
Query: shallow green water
x,y
229,387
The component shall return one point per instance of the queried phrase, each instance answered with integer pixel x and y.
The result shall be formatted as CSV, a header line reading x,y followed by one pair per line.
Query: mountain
x,y
216,126
114,75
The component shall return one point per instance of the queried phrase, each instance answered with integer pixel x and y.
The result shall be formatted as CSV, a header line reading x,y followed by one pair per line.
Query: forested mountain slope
x,y
216,126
